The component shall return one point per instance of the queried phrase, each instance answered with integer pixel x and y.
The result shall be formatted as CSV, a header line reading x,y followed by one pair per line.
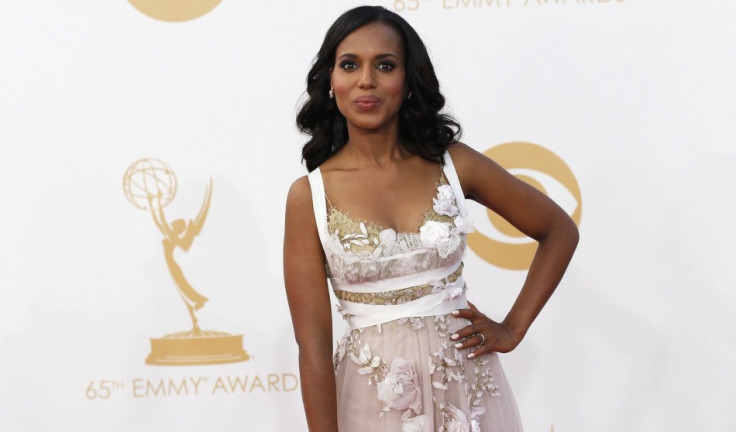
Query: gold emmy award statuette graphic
x,y
522,155
175,10
150,185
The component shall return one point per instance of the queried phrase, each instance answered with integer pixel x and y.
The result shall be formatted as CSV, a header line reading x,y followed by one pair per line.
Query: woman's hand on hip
x,y
483,335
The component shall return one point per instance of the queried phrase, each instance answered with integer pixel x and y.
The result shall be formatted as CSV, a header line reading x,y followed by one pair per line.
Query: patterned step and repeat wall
x,y
148,145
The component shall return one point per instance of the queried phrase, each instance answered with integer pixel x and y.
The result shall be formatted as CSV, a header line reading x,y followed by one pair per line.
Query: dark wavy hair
x,y
423,129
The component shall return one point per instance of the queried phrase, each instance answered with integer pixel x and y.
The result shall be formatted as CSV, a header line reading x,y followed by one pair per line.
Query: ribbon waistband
x,y
450,298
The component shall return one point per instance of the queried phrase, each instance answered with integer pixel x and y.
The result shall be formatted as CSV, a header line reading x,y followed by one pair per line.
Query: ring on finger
x,y
482,338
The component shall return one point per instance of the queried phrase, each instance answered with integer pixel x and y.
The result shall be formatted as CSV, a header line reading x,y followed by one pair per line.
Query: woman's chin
x,y
373,125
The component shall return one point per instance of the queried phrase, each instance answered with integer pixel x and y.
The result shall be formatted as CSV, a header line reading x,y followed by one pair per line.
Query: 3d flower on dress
x,y
462,224
387,238
399,389
456,420
454,291
443,235
433,234
413,424
444,203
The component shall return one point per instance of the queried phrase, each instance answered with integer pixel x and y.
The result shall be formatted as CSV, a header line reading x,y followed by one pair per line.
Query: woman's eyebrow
x,y
379,56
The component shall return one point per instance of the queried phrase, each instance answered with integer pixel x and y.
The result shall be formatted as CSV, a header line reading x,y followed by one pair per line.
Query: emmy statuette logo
x,y
150,185
512,250
174,10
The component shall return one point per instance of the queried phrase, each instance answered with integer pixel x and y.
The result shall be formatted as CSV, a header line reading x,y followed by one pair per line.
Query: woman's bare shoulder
x,y
300,195
462,153
467,161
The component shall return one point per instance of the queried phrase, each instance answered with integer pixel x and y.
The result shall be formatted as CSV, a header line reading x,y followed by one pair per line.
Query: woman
x,y
383,215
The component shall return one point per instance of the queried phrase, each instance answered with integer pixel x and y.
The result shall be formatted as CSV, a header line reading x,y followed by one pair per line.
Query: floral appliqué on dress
x,y
359,248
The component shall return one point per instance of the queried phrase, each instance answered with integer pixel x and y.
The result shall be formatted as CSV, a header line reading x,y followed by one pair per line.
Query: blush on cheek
x,y
338,81
395,88
340,89
342,94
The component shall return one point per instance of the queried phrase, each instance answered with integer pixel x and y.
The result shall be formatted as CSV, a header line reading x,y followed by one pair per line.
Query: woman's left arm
x,y
535,215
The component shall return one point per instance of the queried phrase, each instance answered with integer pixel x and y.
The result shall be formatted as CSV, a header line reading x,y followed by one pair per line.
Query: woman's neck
x,y
377,148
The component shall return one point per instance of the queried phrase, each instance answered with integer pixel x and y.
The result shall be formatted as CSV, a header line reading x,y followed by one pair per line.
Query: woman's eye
x,y
386,66
348,65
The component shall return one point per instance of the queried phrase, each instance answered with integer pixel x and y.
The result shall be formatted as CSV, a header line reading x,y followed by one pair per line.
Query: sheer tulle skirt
x,y
406,375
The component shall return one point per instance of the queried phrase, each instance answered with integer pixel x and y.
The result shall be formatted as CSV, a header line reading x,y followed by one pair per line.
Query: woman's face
x,y
368,77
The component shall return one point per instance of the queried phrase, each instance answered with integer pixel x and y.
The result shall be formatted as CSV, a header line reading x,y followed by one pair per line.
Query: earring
x,y
331,93
408,96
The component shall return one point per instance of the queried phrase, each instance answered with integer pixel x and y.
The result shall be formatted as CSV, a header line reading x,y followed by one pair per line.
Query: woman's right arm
x,y
309,303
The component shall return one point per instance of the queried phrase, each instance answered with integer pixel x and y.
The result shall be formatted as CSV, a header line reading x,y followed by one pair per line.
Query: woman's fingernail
x,y
455,336
456,313
458,345
471,355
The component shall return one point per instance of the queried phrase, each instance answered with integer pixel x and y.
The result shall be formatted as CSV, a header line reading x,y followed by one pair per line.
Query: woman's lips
x,y
366,103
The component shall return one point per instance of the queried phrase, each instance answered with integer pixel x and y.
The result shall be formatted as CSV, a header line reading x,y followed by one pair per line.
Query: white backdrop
x,y
637,97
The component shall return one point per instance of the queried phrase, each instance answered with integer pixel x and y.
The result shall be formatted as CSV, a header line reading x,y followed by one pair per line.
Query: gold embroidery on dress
x,y
363,236
355,236
363,251
397,296
432,215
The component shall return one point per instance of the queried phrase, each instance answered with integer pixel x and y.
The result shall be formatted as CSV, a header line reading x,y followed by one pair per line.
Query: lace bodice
x,y
364,252
370,265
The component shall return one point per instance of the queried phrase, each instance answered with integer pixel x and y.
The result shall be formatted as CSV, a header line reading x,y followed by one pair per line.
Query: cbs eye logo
x,y
497,241
175,10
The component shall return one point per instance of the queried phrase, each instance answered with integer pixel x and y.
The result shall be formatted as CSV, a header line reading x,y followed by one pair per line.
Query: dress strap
x,y
318,203
454,181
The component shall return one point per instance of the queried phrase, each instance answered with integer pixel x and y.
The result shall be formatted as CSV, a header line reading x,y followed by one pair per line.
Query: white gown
x,y
396,367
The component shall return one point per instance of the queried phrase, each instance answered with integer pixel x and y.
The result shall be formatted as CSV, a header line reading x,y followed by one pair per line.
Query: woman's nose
x,y
366,78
